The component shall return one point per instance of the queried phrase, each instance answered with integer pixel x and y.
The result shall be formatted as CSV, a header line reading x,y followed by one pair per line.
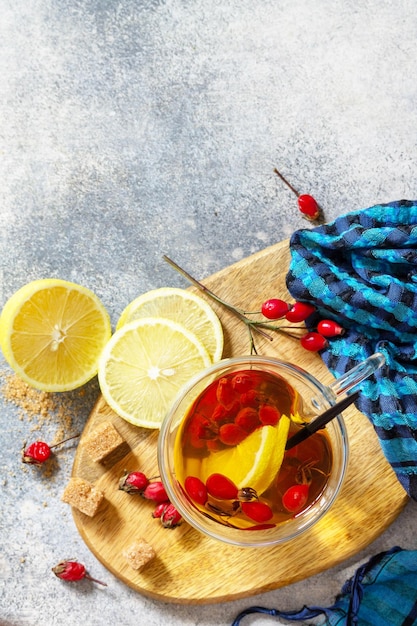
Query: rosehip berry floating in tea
x,y
257,511
314,342
275,309
231,434
330,328
38,452
73,571
269,415
241,383
196,489
221,487
306,203
300,311
295,498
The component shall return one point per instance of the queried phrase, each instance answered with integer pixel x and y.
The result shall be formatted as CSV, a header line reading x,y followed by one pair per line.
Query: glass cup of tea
x,y
222,449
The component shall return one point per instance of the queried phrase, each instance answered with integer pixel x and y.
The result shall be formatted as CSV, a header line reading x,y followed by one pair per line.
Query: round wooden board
x,y
187,563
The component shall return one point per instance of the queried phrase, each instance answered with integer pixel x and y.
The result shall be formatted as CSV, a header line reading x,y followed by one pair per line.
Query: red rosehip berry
x,y
159,509
330,328
155,491
72,571
314,342
306,203
221,487
275,309
308,206
242,383
257,511
134,482
170,517
250,398
224,393
196,489
269,415
295,498
300,311
232,434
247,419
38,452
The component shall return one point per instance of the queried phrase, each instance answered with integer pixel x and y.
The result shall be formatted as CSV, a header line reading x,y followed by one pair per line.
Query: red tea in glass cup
x,y
222,456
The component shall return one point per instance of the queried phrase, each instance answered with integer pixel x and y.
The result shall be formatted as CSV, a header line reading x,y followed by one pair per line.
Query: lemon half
x,y
52,333
182,307
254,462
145,364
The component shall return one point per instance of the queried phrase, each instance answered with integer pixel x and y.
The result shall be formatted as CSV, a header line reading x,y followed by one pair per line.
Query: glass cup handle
x,y
356,375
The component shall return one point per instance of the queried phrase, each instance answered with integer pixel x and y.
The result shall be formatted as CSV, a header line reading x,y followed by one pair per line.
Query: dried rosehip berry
x,y
155,491
38,452
73,571
159,509
274,308
170,517
258,511
133,482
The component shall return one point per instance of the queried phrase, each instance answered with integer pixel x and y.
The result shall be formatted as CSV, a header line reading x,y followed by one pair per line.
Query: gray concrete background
x,y
132,128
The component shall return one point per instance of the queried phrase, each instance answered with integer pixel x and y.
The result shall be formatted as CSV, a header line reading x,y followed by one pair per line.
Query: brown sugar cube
x,y
82,495
102,441
139,553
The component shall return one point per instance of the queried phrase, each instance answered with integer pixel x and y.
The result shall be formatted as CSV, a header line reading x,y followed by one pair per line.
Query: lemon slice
x,y
52,333
145,364
254,462
183,307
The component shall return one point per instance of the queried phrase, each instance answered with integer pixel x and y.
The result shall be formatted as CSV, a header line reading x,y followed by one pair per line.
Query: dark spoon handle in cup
x,y
321,420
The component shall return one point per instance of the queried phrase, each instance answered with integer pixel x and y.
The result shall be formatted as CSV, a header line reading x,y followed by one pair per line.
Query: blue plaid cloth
x,y
382,592
361,270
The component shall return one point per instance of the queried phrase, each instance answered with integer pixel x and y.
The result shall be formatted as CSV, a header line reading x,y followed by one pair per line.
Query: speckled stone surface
x,y
132,128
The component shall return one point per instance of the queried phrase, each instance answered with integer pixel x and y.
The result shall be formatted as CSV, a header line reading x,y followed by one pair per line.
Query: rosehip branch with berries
x,y
272,310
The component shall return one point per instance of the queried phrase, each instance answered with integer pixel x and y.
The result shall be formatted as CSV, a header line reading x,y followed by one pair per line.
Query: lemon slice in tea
x,y
145,364
255,461
183,307
52,333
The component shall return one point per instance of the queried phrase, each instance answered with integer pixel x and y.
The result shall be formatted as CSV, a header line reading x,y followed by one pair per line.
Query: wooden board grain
x,y
186,569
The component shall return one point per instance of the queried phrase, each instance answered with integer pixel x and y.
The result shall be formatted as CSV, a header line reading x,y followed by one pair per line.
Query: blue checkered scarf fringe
x,y
361,270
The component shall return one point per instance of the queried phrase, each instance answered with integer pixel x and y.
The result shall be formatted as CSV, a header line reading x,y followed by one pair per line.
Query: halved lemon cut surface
x,y
255,461
182,307
145,364
52,333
